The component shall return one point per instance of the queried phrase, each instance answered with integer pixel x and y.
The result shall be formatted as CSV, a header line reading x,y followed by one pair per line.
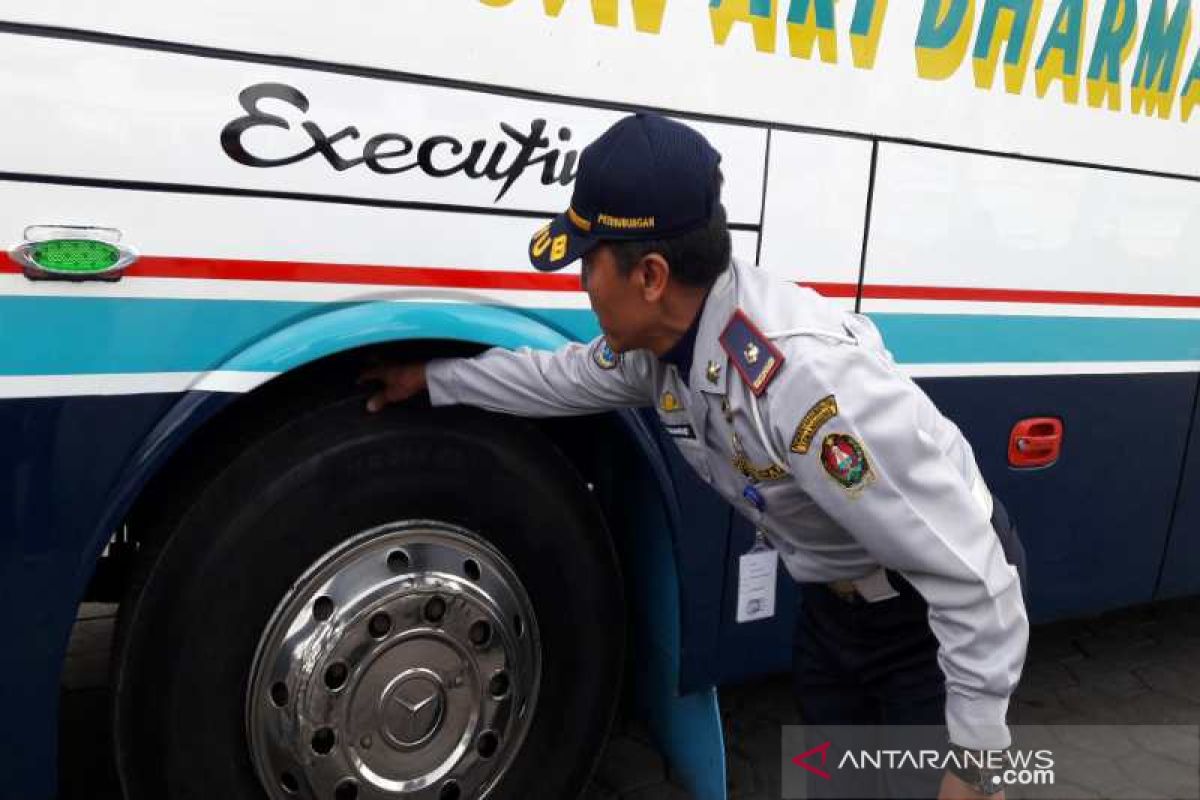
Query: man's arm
x,y
575,379
913,510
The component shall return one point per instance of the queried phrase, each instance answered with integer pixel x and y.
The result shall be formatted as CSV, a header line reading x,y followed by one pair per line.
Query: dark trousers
x,y
859,663
869,664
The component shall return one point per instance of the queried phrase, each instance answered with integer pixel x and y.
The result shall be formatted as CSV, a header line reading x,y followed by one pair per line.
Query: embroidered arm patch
x,y
603,355
845,460
825,410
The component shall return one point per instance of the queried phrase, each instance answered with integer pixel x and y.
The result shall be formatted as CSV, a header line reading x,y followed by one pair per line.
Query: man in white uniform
x,y
794,411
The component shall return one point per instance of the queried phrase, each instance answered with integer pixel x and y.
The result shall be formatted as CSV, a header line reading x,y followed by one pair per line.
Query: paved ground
x,y
1138,666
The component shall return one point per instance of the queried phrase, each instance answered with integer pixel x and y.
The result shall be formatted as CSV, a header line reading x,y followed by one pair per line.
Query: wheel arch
x,y
319,358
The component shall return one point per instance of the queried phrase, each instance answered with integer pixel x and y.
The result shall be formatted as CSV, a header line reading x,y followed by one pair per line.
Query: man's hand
x,y
954,788
400,382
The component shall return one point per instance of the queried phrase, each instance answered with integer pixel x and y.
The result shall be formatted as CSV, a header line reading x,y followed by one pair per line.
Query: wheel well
x,y
588,442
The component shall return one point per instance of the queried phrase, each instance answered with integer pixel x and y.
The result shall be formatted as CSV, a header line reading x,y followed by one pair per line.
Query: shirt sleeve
x,y
882,469
575,379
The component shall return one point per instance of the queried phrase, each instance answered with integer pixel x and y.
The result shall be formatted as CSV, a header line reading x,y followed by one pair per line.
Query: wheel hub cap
x,y
404,664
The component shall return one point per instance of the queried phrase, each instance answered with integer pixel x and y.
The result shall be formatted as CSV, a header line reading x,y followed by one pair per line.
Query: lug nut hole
x,y
471,569
346,790
435,609
379,625
498,685
279,694
323,741
487,743
335,676
322,609
480,633
398,561
289,783
450,791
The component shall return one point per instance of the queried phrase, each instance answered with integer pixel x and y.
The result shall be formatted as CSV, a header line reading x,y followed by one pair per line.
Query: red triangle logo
x,y
801,760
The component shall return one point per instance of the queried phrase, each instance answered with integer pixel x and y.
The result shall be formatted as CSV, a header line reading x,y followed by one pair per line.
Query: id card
x,y
756,585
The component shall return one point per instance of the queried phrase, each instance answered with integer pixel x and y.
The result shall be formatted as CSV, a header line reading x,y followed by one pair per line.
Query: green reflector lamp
x,y
72,253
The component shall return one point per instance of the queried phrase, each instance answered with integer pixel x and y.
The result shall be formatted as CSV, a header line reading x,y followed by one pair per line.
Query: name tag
x,y
683,431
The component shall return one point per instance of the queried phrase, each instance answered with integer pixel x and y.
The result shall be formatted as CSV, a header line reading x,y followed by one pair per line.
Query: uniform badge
x,y
743,464
713,372
825,410
604,356
752,354
846,461
669,402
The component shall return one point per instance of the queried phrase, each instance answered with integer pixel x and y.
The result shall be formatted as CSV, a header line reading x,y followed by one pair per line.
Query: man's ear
x,y
654,273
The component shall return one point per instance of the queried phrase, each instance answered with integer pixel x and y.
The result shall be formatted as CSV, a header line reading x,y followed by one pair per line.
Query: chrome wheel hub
x,y
404,664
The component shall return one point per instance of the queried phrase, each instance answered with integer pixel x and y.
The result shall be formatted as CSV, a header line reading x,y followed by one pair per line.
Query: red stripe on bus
x,y
310,272
881,292
307,272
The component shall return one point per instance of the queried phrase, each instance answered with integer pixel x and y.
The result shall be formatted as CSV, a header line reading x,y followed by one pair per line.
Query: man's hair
x,y
697,258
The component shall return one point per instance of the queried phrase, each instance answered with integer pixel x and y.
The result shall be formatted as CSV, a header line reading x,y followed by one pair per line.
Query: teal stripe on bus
x,y
979,339
55,336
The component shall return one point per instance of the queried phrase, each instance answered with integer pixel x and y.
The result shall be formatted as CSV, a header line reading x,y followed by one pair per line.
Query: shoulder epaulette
x,y
753,355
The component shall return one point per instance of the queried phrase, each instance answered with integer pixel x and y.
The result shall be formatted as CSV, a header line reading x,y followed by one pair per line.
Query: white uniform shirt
x,y
856,467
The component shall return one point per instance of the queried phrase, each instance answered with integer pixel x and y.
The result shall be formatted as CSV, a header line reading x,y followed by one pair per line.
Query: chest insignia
x,y
604,356
669,402
743,464
713,372
845,460
753,355
825,410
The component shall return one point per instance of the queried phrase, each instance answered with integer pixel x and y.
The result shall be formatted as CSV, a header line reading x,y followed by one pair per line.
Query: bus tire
x,y
361,606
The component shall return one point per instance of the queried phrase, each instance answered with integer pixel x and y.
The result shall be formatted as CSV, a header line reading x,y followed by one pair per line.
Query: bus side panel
x,y
60,460
1181,564
1094,524
1017,290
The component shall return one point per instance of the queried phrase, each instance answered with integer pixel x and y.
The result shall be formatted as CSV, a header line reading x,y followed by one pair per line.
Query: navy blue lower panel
x,y
1181,564
1095,523
61,466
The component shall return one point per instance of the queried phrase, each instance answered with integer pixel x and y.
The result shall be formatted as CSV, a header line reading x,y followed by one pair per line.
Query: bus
x,y
218,214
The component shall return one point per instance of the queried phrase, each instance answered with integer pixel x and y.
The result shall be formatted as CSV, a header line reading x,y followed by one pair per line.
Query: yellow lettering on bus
x,y
647,14
864,31
943,37
1114,43
760,14
1061,58
1160,58
1191,90
811,22
1006,25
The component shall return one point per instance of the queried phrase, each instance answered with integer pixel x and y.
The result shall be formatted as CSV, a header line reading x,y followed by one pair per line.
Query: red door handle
x,y
1035,442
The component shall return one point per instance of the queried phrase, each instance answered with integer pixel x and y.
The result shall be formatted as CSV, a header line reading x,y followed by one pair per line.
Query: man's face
x,y
625,312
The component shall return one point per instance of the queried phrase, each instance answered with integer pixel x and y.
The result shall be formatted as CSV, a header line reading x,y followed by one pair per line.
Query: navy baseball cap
x,y
646,177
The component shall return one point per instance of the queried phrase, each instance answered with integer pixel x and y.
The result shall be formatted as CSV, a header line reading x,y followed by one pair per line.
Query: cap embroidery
x,y
579,221
629,223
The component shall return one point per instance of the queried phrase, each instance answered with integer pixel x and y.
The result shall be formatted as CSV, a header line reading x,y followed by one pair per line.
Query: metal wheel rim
x,y
405,663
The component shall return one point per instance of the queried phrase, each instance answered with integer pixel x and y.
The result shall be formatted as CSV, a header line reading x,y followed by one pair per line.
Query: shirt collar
x,y
710,363
683,350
